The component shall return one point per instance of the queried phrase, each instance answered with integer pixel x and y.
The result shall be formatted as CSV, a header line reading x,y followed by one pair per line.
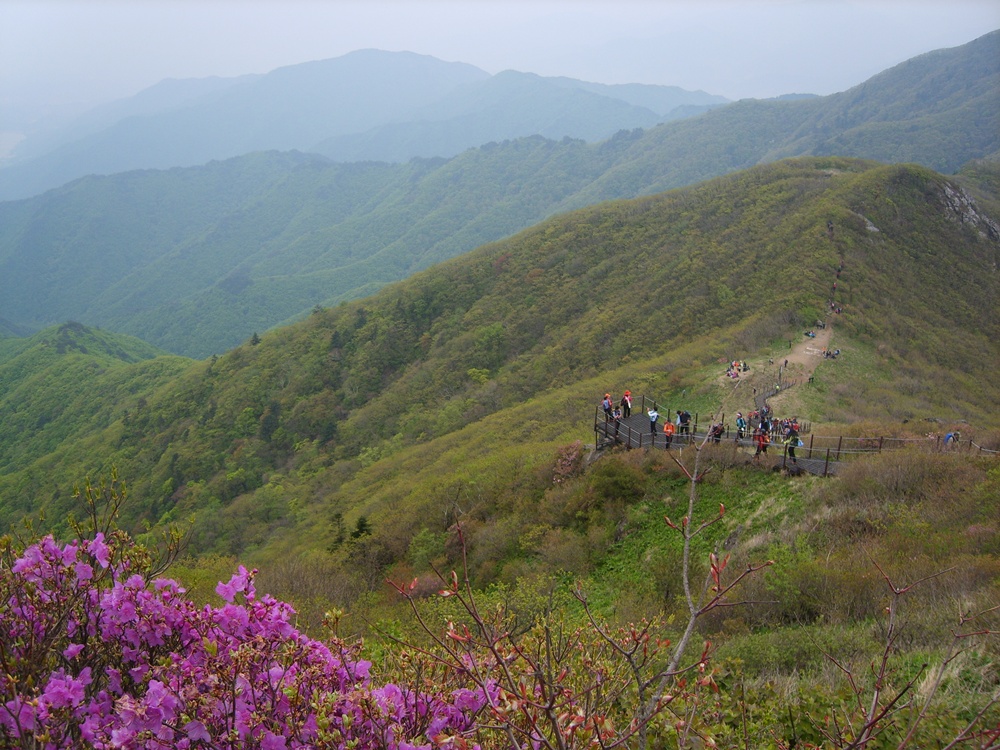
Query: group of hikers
x,y
760,426
623,410
614,413
767,429
735,367
681,425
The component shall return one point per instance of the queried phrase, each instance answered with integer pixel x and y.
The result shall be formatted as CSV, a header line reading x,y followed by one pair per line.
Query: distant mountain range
x,y
383,106
195,260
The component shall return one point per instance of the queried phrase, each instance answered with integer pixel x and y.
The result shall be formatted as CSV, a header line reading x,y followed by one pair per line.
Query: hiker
x,y
791,442
715,432
761,439
653,416
626,404
607,405
684,423
616,417
741,425
668,433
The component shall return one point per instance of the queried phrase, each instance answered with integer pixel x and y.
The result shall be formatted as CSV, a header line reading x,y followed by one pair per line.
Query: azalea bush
x,y
95,653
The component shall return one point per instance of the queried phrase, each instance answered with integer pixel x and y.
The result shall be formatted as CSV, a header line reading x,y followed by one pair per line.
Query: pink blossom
x,y
169,674
100,550
196,731
273,741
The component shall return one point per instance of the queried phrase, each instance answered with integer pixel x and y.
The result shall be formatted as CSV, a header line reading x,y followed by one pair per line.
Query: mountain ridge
x,y
213,254
490,361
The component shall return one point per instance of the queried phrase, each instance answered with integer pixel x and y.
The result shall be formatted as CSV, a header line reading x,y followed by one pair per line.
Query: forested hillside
x,y
491,361
197,260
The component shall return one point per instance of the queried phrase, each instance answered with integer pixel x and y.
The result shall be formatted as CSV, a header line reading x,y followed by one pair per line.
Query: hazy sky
x,y
55,53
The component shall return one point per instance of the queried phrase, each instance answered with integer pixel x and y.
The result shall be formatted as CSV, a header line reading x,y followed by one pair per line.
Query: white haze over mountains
x,y
59,58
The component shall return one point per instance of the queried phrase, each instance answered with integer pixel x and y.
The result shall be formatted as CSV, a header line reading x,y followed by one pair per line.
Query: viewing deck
x,y
634,432
819,455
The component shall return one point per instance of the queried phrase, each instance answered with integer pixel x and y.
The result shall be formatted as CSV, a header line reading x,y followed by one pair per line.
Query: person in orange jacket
x,y
668,432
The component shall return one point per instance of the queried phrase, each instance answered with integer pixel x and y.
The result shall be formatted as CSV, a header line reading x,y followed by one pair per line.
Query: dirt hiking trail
x,y
803,358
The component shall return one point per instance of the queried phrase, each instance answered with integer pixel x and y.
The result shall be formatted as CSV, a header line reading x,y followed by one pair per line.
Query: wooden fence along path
x,y
820,455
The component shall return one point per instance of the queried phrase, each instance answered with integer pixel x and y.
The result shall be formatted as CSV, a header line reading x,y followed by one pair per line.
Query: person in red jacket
x,y
761,440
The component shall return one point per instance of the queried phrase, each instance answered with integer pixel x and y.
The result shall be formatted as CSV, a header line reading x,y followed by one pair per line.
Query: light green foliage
x,y
427,548
398,429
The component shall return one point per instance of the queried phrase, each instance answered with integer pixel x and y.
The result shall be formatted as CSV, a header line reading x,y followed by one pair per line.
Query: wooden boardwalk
x,y
634,432
822,455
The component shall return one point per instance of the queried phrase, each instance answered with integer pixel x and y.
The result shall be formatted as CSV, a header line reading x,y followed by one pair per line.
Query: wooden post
x,y
811,436
826,466
840,442
880,444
